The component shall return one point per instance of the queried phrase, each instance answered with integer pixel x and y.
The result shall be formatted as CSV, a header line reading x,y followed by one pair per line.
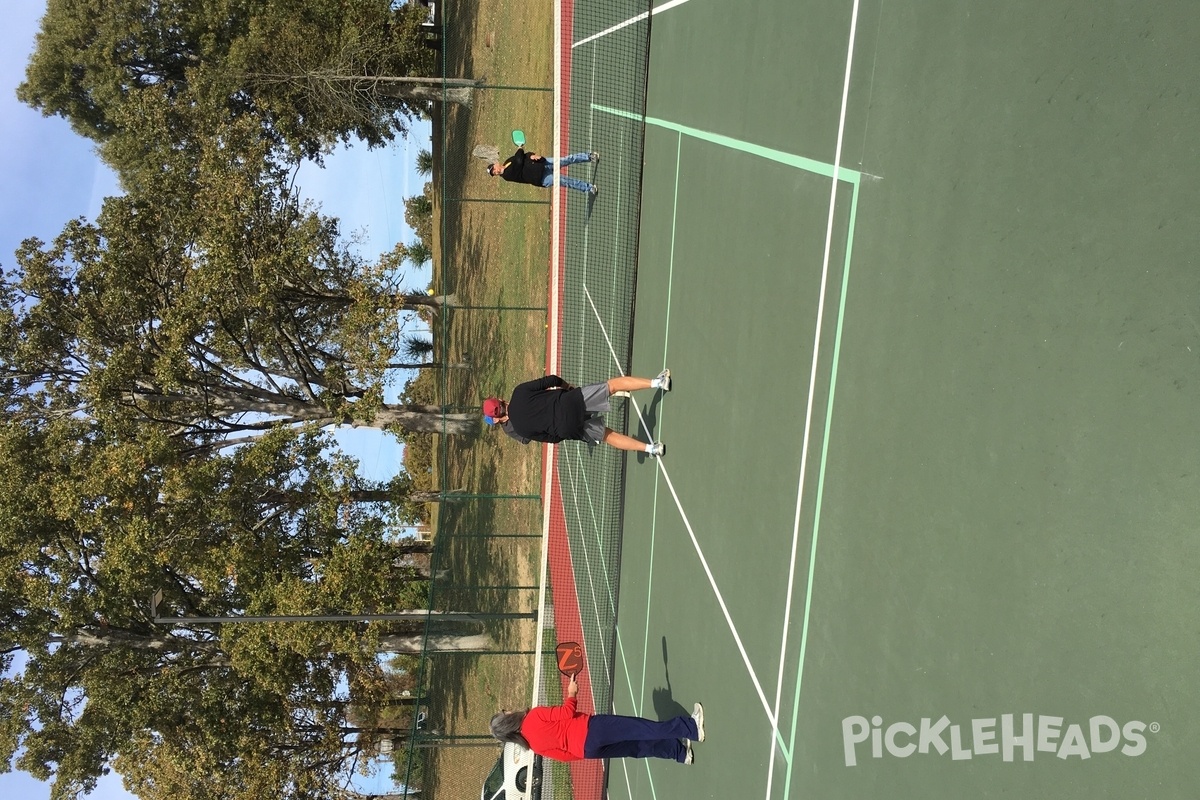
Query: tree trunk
x,y
441,643
425,419
433,497
226,403
429,365
370,496
410,80
117,638
411,301
462,95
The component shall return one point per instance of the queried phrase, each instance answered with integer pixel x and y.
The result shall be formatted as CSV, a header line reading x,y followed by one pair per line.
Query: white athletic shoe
x,y
690,758
658,450
698,716
663,380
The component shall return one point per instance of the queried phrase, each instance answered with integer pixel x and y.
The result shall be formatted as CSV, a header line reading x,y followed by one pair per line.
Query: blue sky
x,y
52,175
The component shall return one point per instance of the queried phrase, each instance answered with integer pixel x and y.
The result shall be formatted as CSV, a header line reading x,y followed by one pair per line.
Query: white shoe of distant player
x,y
658,450
698,718
690,758
662,380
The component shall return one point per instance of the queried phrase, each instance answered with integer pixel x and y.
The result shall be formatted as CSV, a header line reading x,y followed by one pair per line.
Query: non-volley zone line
x,y
850,176
837,174
631,21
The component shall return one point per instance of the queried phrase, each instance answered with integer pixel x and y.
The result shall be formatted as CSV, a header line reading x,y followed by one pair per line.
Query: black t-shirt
x,y
522,168
540,411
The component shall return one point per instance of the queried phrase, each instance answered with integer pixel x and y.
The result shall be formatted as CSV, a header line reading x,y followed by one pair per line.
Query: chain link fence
x,y
493,262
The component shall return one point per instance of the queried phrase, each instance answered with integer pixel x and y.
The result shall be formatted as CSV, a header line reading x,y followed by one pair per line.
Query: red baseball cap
x,y
491,410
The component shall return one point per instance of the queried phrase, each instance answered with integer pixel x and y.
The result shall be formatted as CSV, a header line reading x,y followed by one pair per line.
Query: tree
x,y
419,252
424,162
92,59
237,313
361,83
92,518
417,348
418,215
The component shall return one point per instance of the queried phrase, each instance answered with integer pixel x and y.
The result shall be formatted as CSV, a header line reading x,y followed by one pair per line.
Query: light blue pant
x,y
567,180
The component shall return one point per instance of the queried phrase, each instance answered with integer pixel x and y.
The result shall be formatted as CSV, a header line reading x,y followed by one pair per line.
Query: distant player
x,y
522,167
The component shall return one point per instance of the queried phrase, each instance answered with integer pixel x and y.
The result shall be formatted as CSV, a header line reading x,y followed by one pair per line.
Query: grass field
x,y
491,254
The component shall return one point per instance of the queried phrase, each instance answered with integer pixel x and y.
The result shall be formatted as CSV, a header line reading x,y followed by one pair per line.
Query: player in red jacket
x,y
565,734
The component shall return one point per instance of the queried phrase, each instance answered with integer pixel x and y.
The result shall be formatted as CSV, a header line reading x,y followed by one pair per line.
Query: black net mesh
x,y
604,106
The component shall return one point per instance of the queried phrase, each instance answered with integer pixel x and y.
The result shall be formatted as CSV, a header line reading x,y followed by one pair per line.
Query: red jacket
x,y
556,732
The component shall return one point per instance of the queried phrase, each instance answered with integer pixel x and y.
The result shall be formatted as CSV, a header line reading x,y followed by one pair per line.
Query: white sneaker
x,y
698,717
663,380
658,450
690,758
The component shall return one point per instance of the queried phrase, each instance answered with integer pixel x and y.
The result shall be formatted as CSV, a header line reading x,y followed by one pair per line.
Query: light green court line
x,y
790,159
812,554
854,178
657,473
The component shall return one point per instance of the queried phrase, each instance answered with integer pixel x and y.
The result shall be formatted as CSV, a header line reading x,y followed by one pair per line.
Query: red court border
x,y
587,777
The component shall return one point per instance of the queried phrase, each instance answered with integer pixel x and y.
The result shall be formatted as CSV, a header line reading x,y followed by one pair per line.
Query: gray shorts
x,y
595,401
595,397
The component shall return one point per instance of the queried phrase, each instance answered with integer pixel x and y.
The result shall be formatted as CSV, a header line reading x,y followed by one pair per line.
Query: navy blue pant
x,y
610,736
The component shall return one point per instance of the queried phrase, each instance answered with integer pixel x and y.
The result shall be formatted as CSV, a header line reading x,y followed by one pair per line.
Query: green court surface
x,y
926,277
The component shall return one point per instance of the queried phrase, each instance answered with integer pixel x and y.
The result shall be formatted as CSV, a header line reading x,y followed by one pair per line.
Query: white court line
x,y
591,577
574,481
548,458
628,22
636,712
812,384
696,544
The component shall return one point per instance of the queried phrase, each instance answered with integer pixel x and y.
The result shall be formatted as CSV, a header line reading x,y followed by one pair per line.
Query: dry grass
x,y
493,254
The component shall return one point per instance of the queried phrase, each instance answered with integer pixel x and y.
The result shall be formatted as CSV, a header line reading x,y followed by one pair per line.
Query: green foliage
x,y
293,67
416,348
166,369
92,520
196,314
418,215
422,390
424,162
419,252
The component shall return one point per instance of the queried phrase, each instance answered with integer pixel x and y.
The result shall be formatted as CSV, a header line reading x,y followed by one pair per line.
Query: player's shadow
x,y
649,416
644,427
665,704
